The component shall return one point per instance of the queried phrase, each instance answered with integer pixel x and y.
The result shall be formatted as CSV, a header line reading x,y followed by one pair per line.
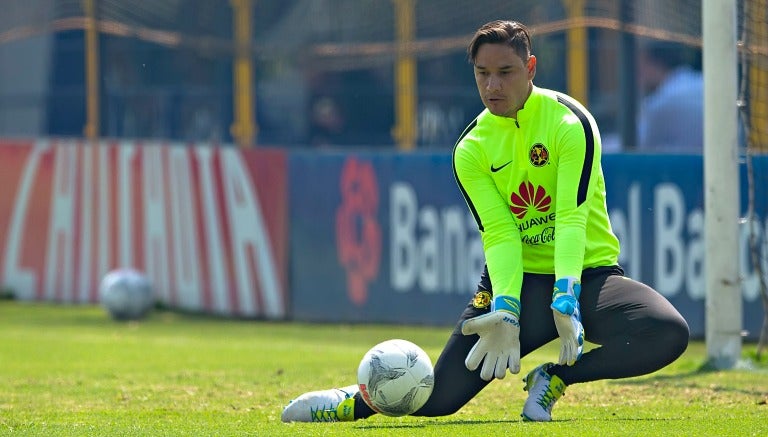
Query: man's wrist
x,y
507,304
567,285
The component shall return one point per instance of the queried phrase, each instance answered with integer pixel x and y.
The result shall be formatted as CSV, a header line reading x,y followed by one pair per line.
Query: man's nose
x,y
493,83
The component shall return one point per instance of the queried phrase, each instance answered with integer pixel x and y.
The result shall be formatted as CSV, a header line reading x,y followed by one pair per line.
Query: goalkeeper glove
x,y
499,344
565,307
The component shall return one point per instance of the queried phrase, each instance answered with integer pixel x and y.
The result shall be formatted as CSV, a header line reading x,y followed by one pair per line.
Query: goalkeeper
x,y
529,169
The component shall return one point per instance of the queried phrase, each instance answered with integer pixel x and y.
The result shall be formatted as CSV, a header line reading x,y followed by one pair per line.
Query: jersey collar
x,y
526,113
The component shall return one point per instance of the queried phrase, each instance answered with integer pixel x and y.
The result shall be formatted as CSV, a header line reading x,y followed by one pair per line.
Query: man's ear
x,y
531,67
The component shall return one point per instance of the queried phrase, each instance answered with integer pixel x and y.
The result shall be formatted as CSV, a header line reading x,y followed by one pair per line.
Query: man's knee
x,y
668,339
677,334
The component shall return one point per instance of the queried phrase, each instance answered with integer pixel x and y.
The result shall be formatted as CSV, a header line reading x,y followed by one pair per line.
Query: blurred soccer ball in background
x,y
126,294
395,377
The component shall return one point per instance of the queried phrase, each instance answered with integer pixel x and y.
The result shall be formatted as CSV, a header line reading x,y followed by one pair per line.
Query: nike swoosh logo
x,y
495,169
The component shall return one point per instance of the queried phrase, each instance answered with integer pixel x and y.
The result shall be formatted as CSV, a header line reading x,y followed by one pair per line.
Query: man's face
x,y
503,78
649,73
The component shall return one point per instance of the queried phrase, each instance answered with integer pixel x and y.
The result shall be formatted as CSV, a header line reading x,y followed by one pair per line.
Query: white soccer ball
x,y
126,294
395,377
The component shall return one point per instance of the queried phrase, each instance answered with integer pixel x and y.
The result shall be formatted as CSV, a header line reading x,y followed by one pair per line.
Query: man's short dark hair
x,y
511,33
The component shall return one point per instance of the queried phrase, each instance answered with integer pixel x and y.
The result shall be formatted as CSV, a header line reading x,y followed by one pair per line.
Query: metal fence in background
x,y
314,73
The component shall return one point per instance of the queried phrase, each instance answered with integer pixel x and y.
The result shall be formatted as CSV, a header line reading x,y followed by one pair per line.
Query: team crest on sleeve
x,y
482,299
538,155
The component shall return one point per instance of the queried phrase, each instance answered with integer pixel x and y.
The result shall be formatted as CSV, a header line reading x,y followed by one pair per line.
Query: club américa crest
x,y
482,299
538,155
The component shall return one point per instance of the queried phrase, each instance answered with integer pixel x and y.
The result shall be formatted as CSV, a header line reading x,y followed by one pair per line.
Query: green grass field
x,y
71,371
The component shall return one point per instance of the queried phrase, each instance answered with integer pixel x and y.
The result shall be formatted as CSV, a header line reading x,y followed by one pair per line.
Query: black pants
x,y
637,330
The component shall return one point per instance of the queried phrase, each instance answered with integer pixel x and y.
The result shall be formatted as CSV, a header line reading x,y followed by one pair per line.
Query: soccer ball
x,y
126,294
395,377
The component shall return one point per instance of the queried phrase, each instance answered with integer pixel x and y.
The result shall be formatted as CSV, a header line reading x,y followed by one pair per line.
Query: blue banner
x,y
380,238
656,203
386,237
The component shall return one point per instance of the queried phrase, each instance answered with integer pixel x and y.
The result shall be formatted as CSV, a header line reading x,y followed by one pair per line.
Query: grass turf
x,y
71,371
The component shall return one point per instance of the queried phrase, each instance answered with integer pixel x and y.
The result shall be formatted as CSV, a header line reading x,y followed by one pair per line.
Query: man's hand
x,y
565,308
499,344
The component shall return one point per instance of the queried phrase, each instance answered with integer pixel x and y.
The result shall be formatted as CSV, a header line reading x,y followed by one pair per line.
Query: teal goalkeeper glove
x,y
499,344
565,307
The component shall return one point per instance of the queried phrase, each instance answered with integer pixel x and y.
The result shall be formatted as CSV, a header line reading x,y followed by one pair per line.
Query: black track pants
x,y
638,332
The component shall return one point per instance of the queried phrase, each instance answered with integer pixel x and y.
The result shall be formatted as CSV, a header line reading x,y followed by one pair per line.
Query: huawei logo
x,y
528,197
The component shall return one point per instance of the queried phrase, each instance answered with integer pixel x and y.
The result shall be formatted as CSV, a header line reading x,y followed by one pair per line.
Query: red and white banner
x,y
207,224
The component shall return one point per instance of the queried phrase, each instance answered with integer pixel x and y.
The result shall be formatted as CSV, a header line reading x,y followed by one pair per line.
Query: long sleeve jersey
x,y
535,187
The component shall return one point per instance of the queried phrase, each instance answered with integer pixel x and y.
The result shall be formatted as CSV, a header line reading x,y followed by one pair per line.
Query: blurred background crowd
x,y
350,73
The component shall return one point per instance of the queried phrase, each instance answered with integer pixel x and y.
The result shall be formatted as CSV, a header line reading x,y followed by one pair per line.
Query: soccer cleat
x,y
334,405
543,391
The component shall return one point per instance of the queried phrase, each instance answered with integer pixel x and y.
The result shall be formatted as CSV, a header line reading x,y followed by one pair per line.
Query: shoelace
x,y
324,414
547,397
328,414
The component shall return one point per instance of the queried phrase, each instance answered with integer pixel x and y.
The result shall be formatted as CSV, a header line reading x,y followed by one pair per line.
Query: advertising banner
x,y
206,224
656,203
380,238
388,238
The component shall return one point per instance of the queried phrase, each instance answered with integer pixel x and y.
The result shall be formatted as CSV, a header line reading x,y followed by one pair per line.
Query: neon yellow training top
x,y
535,186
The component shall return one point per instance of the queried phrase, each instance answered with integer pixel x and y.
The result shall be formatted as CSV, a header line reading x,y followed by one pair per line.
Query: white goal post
x,y
723,317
